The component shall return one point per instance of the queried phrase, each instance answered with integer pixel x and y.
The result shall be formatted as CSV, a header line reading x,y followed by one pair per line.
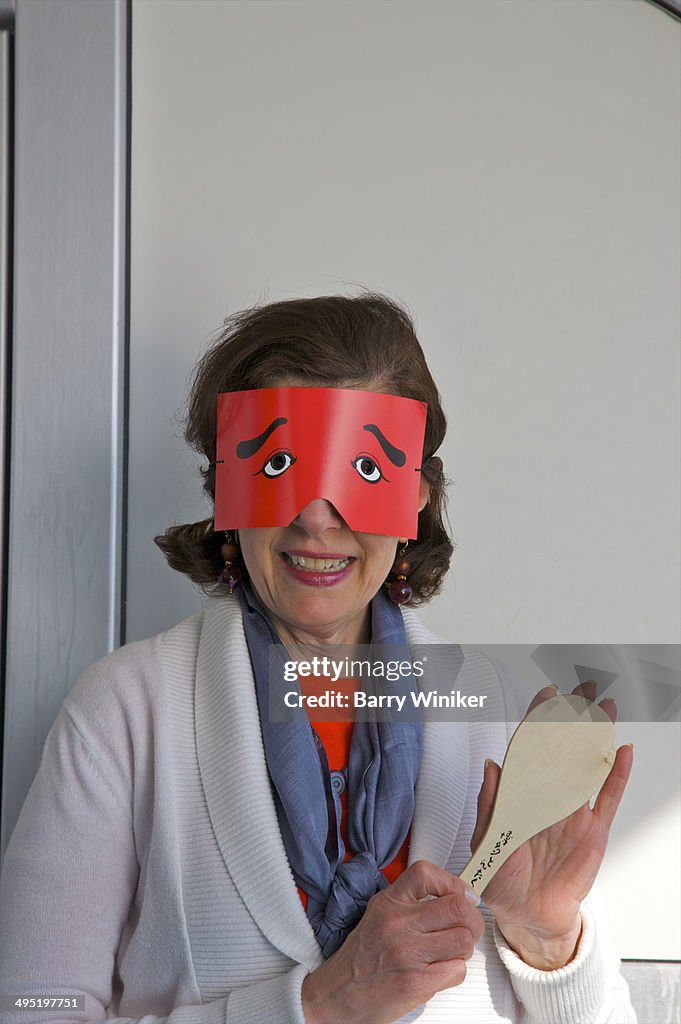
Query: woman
x,y
182,856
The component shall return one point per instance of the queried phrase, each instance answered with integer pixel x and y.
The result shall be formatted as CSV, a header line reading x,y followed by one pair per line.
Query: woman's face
x,y
316,577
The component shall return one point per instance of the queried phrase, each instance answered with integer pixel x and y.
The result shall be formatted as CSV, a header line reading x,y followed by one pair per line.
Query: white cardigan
x,y
147,869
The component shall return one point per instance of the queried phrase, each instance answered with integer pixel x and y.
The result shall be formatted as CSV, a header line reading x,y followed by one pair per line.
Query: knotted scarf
x,y
384,762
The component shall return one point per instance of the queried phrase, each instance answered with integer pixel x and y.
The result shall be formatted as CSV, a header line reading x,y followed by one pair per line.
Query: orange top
x,y
336,737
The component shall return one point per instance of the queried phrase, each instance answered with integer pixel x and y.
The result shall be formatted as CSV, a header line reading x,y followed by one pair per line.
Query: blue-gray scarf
x,y
385,758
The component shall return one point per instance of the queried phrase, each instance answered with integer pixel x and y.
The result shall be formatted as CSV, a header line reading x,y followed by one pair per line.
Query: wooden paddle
x,y
558,758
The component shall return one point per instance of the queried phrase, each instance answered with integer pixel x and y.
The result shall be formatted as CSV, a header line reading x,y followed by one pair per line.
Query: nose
x,y
317,517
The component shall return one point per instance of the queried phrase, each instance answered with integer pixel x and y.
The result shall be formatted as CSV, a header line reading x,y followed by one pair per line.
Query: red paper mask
x,y
280,448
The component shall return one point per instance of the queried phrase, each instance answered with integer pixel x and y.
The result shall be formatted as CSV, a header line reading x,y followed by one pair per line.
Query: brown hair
x,y
332,341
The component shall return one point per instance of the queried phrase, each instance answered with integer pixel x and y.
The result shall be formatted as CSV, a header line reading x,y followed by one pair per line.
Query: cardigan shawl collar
x,y
238,791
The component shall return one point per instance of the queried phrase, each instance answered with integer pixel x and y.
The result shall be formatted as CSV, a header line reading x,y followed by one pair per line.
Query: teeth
x,y
318,564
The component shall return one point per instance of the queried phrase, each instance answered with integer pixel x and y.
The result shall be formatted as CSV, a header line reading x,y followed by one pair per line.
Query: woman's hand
x,y
536,894
404,950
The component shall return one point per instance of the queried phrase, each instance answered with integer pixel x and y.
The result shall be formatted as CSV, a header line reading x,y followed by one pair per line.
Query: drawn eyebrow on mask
x,y
245,449
396,455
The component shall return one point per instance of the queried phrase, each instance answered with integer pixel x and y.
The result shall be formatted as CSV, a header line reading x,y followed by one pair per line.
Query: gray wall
x,y
511,170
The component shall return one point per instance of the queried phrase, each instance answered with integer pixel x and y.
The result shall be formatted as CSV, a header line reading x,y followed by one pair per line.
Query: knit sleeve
x,y
588,990
68,881
68,888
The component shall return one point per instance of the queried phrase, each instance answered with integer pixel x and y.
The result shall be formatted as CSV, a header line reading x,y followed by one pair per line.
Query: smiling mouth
x,y
317,565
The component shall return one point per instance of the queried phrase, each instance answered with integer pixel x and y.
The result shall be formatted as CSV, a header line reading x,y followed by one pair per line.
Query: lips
x,y
317,569
323,563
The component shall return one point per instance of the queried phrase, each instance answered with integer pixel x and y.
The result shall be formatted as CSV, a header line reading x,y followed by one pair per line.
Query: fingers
x,y
486,798
588,689
445,974
545,693
423,879
612,790
608,705
448,944
452,908
446,914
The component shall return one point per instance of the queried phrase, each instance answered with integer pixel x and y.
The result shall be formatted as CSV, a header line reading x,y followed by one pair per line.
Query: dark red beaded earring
x,y
231,574
399,590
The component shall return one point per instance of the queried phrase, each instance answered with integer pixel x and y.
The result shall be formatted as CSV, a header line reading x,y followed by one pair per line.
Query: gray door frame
x,y
68,366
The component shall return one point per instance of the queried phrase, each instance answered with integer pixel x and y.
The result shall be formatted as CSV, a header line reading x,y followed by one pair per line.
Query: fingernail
x,y
629,745
488,762
472,896
552,686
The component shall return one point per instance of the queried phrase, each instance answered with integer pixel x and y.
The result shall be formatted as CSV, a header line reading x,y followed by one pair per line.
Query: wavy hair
x,y
365,341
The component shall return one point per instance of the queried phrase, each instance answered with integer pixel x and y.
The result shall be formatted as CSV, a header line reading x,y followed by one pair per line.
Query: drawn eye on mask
x,y
277,463
367,467
338,439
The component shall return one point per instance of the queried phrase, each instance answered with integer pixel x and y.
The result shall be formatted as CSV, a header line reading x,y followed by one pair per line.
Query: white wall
x,y
509,169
